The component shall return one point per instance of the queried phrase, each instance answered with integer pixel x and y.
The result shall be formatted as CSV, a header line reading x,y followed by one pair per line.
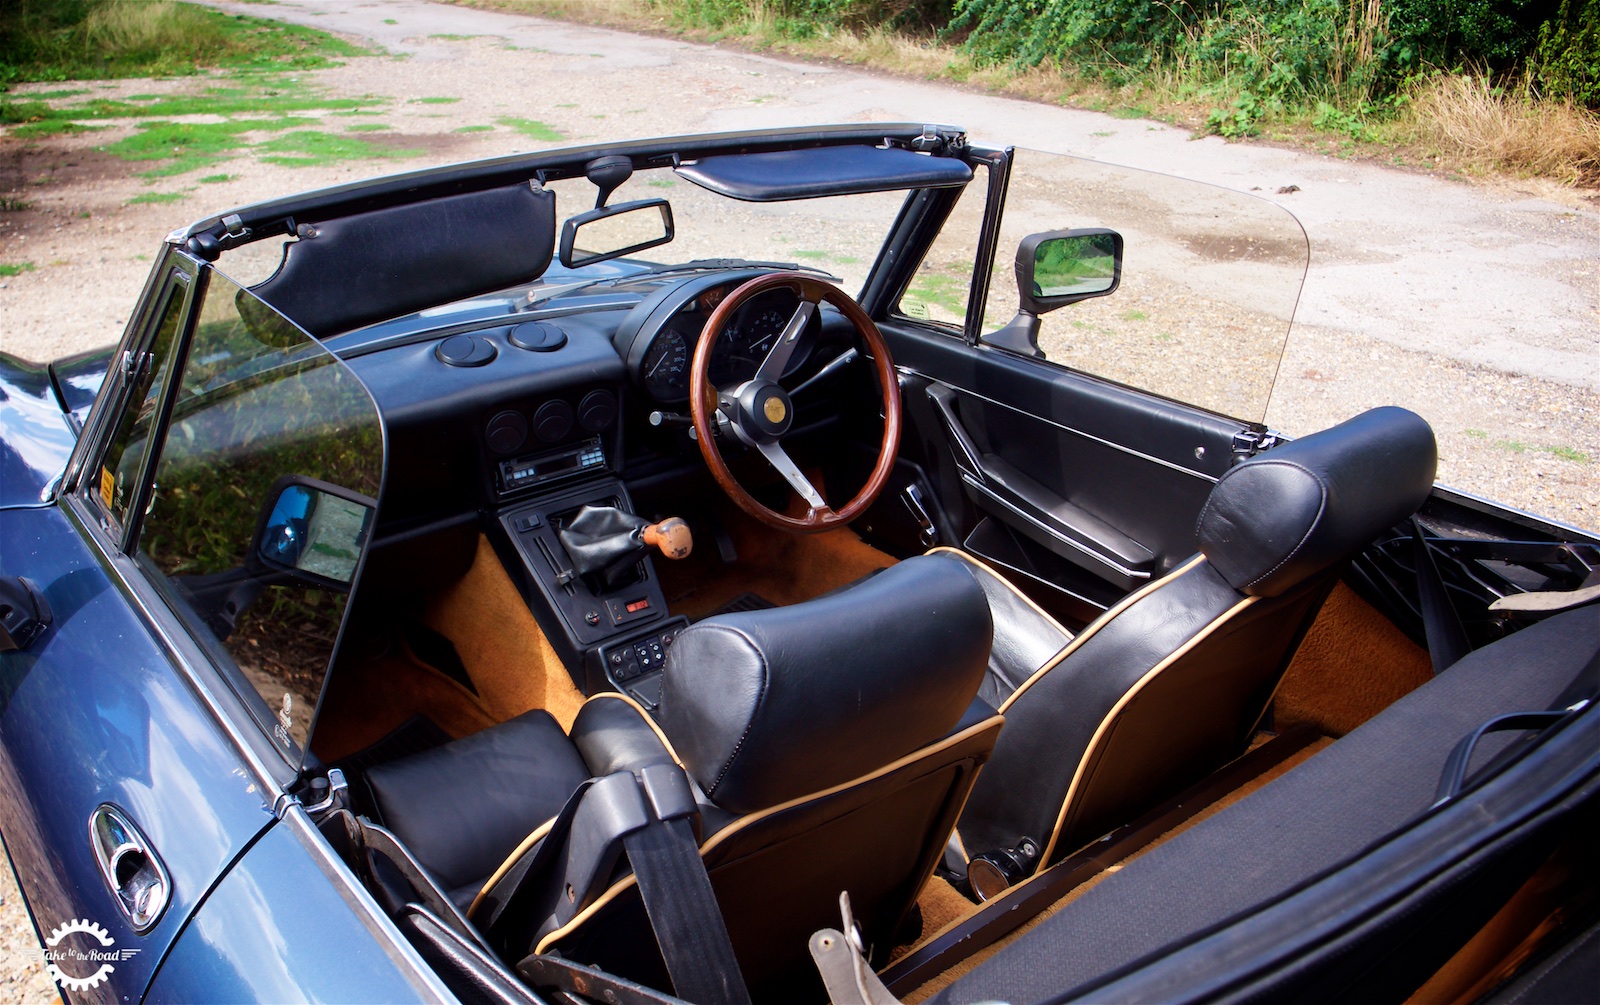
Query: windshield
x,y
839,235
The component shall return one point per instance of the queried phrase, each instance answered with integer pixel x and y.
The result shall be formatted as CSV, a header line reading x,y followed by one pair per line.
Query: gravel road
x,y
1477,305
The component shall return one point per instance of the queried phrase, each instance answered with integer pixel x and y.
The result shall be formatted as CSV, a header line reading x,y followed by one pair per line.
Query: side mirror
x,y
313,530
613,231
1054,269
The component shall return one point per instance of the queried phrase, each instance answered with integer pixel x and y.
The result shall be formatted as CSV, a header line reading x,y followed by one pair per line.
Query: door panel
x,y
94,713
1091,487
287,925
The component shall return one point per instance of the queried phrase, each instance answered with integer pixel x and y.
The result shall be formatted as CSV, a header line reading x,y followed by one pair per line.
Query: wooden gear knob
x,y
671,536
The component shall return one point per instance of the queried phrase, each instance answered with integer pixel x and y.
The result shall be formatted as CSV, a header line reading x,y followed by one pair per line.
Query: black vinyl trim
x,y
1319,919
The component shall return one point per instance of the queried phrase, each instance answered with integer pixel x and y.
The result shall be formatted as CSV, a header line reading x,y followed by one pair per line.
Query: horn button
x,y
762,411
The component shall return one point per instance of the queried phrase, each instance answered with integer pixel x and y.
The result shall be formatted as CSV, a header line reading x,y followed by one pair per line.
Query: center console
x,y
615,628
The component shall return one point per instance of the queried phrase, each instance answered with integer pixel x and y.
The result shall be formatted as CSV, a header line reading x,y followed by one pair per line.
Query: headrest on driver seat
x,y
766,706
1287,514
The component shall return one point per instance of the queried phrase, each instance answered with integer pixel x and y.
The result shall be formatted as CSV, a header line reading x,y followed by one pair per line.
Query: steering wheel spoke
x,y
779,459
778,356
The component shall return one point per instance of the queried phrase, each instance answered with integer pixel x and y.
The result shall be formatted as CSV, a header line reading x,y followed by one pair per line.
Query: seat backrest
x,y
1171,682
836,741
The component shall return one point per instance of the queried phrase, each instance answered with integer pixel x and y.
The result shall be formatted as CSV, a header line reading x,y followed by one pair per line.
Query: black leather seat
x,y
831,744
1171,682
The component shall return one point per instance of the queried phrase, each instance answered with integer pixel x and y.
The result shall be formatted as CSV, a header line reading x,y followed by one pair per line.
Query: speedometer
x,y
760,329
666,366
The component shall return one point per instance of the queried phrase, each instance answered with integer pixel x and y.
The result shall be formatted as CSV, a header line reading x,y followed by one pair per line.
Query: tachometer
x,y
666,366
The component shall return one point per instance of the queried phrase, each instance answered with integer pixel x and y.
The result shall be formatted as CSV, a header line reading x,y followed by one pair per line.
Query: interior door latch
x,y
912,497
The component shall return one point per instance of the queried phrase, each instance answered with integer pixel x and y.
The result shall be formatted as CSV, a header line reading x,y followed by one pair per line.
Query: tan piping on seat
x,y
538,835
648,721
1010,585
621,886
1128,696
1099,623
544,828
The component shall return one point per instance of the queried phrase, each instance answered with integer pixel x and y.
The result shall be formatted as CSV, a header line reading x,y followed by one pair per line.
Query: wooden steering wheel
x,y
758,412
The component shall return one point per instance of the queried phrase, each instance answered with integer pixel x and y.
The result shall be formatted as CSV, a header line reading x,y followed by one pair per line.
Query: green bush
x,y
1568,55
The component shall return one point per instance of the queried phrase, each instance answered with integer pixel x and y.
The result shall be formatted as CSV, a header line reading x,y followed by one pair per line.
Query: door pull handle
x,y
129,866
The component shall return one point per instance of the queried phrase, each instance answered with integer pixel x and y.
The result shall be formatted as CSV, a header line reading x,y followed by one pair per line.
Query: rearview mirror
x,y
314,530
1054,269
613,231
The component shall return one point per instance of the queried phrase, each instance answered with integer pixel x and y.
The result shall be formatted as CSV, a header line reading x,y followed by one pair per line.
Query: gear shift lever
x,y
604,540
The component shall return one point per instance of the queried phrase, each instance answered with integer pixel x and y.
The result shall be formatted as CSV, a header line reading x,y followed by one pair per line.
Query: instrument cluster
x,y
745,342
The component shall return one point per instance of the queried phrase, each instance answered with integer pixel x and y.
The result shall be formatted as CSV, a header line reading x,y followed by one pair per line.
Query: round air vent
x,y
465,350
597,411
538,336
553,421
507,431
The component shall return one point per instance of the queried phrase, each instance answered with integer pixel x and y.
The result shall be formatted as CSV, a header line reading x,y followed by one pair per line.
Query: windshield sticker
x,y
108,486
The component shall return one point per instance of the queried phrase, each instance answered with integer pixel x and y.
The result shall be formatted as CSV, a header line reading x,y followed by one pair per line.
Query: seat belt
x,y
1441,625
651,814
684,914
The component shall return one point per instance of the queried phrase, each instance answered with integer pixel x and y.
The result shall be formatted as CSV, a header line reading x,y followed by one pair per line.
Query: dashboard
x,y
496,402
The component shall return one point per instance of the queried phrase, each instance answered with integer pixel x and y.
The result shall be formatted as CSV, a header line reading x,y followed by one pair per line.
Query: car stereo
x,y
543,469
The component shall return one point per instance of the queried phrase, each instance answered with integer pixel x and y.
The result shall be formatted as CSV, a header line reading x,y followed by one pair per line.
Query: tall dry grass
x,y
1480,127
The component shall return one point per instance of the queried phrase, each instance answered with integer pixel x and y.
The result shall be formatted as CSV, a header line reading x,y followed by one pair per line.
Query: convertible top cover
x,y
810,174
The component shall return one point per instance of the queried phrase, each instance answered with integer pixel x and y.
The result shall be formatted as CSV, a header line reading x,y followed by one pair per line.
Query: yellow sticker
x,y
108,485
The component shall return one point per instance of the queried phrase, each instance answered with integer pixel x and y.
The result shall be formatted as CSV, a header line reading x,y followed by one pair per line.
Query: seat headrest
x,y
766,706
1293,511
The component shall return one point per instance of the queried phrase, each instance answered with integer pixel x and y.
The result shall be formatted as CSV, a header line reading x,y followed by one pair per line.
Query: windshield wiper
x,y
698,265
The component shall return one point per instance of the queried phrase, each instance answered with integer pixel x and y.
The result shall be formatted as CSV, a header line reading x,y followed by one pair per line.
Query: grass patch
x,y
312,149
9,269
98,39
189,146
157,197
367,127
57,127
434,101
217,179
11,204
947,292
474,129
531,128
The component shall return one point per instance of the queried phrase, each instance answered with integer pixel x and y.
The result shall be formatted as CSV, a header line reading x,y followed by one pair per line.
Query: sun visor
x,y
356,270
822,171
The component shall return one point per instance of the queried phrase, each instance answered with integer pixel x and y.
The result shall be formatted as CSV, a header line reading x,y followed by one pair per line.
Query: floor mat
x,y
744,602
